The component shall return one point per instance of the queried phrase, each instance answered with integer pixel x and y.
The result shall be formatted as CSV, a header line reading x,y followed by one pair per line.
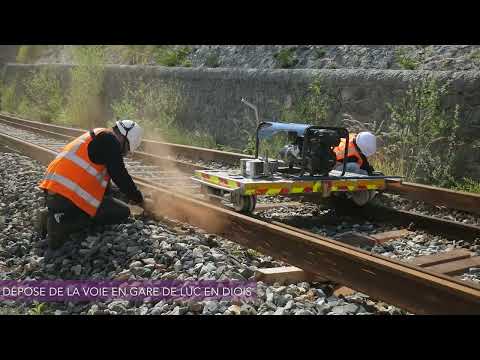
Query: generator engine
x,y
318,157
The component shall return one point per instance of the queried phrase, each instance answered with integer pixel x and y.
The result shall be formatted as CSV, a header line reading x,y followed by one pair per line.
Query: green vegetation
x,y
29,53
43,99
475,56
153,54
174,57
253,253
320,52
8,102
251,141
212,60
38,308
405,61
468,185
4,310
422,137
286,58
313,107
157,106
85,99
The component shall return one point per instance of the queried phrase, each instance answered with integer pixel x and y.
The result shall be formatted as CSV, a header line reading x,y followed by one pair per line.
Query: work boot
x,y
60,227
41,222
57,233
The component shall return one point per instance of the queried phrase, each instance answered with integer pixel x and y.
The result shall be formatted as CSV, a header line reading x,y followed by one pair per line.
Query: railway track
x,y
416,289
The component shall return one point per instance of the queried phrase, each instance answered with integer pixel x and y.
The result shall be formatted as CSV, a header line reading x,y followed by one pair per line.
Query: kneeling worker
x,y
77,182
360,147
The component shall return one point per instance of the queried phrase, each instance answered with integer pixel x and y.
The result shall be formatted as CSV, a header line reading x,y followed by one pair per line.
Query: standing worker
x,y
77,182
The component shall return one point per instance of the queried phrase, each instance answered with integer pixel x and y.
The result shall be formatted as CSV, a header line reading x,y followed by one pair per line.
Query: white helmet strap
x,y
127,129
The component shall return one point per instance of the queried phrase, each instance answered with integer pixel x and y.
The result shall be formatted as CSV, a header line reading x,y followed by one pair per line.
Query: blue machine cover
x,y
271,128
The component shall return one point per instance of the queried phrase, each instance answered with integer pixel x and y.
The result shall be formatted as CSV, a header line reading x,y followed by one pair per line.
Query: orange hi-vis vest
x,y
74,176
352,150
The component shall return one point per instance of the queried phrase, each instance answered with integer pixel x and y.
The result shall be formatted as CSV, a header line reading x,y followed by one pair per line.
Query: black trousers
x,y
111,211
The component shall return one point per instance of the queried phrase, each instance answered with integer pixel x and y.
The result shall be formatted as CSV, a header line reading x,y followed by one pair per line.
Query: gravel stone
x,y
77,269
210,307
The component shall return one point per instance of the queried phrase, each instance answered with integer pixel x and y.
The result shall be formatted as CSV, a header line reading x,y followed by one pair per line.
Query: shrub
x,y
43,98
422,137
212,60
313,107
405,61
285,58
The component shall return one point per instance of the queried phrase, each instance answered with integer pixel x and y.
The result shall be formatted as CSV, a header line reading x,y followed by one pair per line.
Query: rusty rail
x,y
437,196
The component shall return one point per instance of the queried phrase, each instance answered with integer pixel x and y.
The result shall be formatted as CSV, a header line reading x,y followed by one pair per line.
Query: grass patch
x,y
468,185
405,61
163,55
30,53
285,58
174,57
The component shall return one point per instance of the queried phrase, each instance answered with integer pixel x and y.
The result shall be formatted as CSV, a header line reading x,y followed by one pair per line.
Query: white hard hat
x,y
367,143
132,131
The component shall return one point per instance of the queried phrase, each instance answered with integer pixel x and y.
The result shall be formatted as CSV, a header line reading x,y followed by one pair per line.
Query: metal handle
x,y
253,107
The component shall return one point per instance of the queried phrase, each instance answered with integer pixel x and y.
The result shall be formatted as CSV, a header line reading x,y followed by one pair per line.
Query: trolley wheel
x,y
345,204
244,203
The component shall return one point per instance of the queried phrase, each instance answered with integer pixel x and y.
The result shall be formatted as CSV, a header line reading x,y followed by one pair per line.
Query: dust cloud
x,y
166,204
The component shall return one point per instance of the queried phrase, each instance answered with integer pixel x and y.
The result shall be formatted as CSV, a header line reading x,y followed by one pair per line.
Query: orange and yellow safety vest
x,y
74,176
352,150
